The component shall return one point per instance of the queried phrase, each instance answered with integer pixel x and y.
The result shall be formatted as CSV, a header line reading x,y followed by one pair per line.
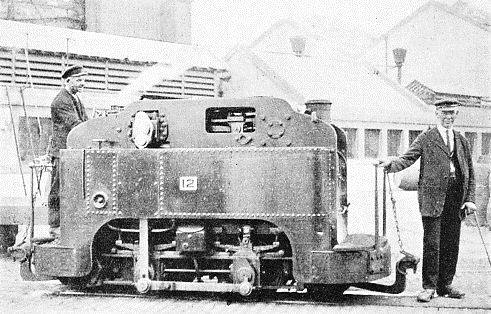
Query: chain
x,y
394,211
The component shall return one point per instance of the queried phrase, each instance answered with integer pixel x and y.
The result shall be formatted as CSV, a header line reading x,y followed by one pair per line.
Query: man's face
x,y
446,116
75,84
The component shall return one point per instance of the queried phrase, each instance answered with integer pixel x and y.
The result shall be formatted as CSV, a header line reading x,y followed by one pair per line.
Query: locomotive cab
x,y
224,195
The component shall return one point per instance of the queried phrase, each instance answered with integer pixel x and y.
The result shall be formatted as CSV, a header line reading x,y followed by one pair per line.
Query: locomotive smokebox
x,y
322,109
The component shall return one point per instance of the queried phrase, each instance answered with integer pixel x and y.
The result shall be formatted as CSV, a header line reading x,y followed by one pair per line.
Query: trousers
x,y
54,195
441,240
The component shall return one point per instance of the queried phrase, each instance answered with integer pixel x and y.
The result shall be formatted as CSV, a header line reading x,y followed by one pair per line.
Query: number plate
x,y
188,183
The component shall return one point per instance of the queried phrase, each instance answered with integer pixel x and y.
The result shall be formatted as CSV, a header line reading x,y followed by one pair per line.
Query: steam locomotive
x,y
219,195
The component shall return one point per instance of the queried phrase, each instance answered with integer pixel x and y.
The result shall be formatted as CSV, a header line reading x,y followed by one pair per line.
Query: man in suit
x,y
446,194
67,112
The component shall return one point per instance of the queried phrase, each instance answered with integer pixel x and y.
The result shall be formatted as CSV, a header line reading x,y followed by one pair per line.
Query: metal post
x,y
15,138
143,244
399,73
384,205
32,166
28,66
143,283
67,52
377,242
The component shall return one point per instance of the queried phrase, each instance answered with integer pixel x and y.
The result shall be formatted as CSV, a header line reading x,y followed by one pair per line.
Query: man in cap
x,y
446,191
67,112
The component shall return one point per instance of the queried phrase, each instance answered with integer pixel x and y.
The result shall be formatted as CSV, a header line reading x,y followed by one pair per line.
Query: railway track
x,y
352,298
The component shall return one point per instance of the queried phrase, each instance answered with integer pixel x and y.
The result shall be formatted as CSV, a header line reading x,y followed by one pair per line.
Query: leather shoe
x,y
450,292
426,295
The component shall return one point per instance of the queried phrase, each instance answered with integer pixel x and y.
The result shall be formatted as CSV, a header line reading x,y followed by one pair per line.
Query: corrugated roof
x,y
55,39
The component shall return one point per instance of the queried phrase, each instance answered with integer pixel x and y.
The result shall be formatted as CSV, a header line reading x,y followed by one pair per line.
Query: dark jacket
x,y
66,113
435,169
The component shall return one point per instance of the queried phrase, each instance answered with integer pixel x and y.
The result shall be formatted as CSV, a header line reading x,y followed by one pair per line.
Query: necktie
x,y
448,141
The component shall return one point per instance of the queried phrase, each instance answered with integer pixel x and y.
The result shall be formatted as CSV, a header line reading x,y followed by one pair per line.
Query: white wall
x,y
247,80
444,52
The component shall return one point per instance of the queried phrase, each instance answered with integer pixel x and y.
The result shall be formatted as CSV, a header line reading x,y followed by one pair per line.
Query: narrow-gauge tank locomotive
x,y
223,195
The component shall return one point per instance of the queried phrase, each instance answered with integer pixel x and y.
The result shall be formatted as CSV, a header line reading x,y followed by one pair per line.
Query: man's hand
x,y
45,159
469,208
384,163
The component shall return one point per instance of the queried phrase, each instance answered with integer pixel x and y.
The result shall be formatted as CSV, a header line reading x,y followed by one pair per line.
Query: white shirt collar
x,y
443,130
443,133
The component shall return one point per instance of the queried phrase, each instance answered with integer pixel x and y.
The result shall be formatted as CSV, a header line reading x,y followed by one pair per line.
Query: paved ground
x,y
473,274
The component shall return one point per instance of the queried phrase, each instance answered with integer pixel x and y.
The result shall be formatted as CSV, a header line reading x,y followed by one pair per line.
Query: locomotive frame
x,y
221,195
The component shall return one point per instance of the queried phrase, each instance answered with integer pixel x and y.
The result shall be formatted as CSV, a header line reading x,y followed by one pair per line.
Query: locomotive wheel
x,y
323,291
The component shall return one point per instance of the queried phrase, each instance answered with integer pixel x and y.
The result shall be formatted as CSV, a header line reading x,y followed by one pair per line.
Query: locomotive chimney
x,y
322,109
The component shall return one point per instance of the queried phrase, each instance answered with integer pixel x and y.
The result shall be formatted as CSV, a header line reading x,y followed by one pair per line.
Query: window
x,y
486,143
351,142
472,137
394,141
230,120
413,134
372,142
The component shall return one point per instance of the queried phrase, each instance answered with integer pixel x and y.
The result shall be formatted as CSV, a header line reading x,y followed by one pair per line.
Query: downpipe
x,y
409,261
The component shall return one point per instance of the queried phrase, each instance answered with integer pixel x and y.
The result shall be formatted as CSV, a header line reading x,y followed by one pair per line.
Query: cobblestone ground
x,y
17,296
473,269
473,275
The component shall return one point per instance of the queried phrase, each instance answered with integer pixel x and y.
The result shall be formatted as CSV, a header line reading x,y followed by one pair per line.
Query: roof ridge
x,y
440,5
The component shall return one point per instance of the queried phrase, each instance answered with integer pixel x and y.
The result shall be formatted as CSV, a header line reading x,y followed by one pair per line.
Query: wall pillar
x,y
478,145
405,140
360,136
383,143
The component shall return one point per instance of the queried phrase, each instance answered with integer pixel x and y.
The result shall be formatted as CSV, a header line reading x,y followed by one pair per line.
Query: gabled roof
x,y
430,95
327,70
358,91
453,11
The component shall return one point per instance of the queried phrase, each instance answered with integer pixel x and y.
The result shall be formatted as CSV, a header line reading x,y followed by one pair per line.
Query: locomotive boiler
x,y
220,195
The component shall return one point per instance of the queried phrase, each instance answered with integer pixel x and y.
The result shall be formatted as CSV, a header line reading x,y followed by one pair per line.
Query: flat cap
x,y
72,71
447,104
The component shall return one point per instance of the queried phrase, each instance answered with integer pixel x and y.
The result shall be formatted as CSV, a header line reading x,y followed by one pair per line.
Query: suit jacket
x,y
435,169
66,113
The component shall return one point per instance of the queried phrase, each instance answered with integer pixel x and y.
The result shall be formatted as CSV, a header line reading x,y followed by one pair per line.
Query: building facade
x,y
380,116
448,57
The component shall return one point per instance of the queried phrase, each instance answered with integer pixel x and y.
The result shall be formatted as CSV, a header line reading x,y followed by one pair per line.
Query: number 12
x,y
188,183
